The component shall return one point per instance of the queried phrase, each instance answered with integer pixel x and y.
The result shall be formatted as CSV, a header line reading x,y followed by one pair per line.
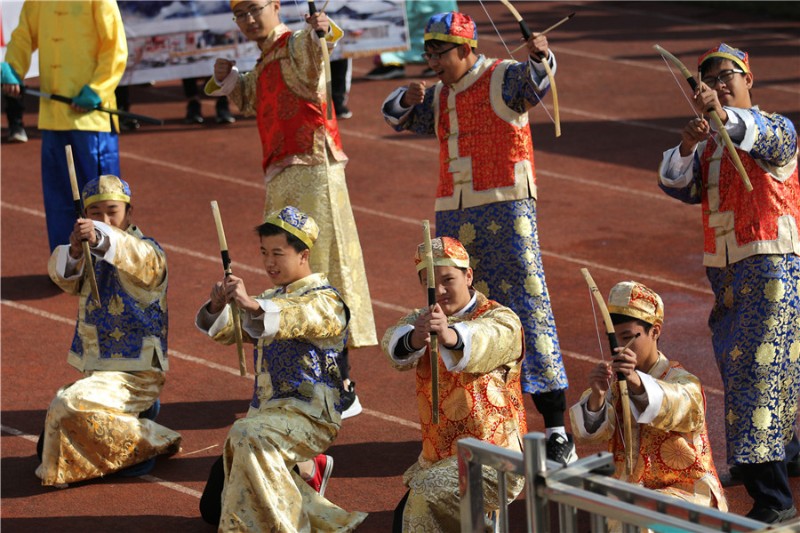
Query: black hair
x,y
617,319
268,230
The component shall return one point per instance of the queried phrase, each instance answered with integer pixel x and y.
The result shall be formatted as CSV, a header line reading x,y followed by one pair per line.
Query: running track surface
x,y
599,207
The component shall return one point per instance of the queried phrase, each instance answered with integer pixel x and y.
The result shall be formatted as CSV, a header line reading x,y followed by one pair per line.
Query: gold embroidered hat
x,y
295,222
447,251
633,299
106,187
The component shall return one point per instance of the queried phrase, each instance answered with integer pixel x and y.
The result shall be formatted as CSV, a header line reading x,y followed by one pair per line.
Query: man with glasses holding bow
x,y
752,259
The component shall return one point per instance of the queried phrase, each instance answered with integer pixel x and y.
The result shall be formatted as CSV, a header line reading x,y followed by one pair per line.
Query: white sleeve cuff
x,y
655,396
106,248
227,85
264,326
676,170
212,324
453,363
539,74
393,110
65,263
396,336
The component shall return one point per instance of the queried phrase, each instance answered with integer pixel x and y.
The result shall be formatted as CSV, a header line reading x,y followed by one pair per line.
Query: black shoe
x,y
139,469
17,134
772,516
151,412
386,72
343,112
561,450
350,404
193,113
223,113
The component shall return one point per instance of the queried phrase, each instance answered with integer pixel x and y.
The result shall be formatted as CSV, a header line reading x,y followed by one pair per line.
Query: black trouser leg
x,y
397,521
211,501
551,405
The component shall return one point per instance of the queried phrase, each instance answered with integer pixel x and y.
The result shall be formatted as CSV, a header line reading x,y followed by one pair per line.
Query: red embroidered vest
x,y
488,147
470,405
289,125
740,223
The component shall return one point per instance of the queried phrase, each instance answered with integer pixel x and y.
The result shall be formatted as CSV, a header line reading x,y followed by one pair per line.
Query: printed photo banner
x,y
171,40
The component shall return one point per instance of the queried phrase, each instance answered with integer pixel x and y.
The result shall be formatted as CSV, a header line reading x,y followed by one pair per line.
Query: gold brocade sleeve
x,y
683,407
142,265
603,433
495,340
70,286
306,75
314,315
244,94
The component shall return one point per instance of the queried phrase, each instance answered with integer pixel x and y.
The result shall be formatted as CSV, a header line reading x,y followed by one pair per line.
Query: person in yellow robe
x,y
671,449
299,329
481,351
103,423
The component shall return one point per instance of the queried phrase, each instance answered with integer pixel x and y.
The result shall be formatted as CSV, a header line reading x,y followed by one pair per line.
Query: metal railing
x,y
584,485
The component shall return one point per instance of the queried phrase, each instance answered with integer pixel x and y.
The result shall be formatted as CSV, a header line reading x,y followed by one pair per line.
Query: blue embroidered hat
x,y
726,52
452,27
106,187
295,222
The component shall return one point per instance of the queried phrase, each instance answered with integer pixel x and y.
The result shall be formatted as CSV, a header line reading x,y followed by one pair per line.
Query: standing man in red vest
x,y
752,259
486,197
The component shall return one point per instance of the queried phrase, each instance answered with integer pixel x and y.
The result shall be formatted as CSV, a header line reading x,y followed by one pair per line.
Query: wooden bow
x,y
326,60
526,34
737,162
627,431
87,253
226,266
428,260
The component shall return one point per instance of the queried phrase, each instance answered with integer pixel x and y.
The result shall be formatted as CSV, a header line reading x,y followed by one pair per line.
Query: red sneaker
x,y
323,466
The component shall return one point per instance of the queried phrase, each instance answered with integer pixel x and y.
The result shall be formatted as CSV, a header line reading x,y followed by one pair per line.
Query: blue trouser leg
x,y
95,153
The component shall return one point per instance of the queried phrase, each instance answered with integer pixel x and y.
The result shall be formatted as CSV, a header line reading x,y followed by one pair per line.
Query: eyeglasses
x,y
252,12
437,55
723,77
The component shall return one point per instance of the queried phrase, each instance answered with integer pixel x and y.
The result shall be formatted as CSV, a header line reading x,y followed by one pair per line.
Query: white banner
x,y
171,40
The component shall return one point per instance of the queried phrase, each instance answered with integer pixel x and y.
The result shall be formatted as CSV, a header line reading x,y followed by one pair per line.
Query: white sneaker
x,y
353,410
560,449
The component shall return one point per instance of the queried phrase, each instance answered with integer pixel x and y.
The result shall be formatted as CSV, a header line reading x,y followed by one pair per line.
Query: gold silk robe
x,y
480,397
290,419
92,426
672,450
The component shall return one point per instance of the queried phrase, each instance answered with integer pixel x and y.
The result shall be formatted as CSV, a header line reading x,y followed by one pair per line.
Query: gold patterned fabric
x,y
321,191
433,500
480,397
93,427
672,452
294,414
261,492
